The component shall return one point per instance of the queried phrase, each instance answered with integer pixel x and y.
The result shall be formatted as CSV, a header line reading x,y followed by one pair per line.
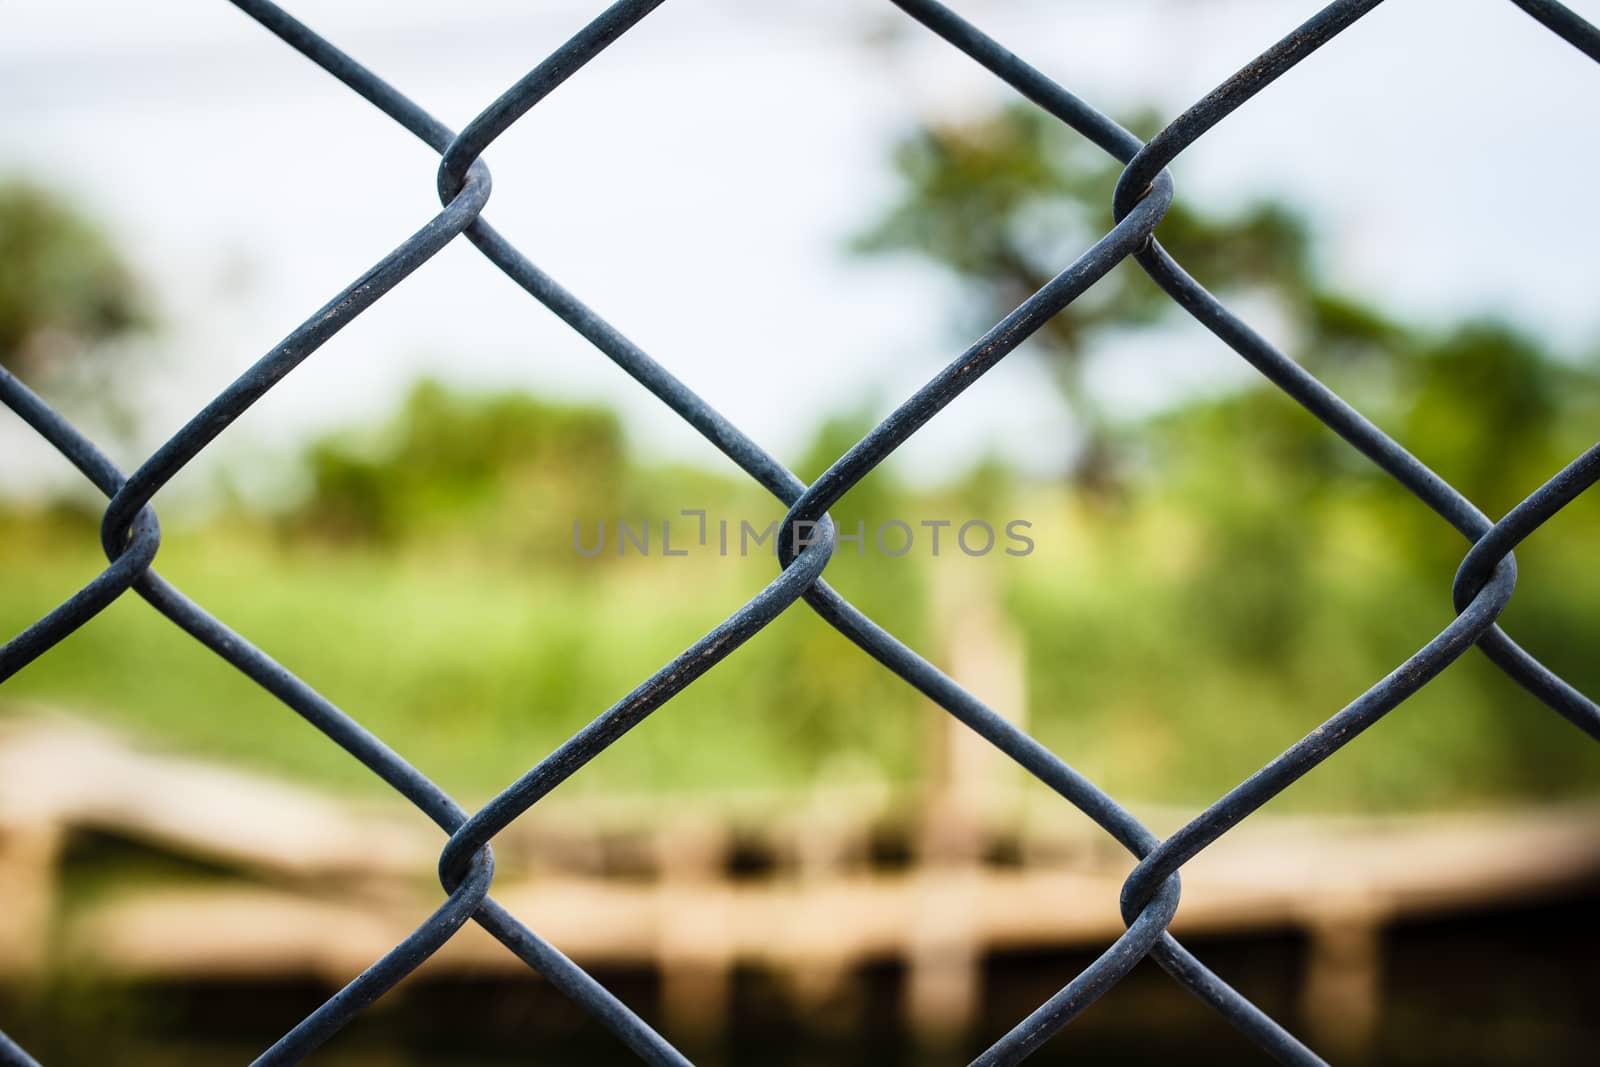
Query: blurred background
x,y
803,213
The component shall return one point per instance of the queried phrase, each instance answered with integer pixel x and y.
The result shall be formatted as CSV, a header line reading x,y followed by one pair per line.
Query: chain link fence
x,y
1150,897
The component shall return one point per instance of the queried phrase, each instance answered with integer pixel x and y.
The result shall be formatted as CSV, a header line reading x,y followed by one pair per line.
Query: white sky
x,y
698,182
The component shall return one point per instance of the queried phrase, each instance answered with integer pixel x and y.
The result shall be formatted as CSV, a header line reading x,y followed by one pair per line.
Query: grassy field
x,y
1135,673
472,673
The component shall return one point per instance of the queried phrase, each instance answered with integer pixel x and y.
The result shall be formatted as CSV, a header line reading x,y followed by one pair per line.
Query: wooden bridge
x,y
302,883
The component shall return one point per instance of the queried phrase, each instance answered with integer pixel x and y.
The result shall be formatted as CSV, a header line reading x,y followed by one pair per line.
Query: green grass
x,y
472,673
474,668
1163,686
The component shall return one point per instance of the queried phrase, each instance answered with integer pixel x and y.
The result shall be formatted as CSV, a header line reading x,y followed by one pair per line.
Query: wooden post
x,y
966,777
28,854
1341,994
693,947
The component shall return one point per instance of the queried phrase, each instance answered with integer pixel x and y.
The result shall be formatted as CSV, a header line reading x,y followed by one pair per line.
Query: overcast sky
x,y
697,185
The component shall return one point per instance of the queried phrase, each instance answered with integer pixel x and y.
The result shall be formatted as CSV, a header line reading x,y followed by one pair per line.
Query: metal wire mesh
x,y
1150,895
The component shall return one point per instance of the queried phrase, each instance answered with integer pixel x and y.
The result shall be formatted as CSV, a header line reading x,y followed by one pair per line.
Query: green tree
x,y
504,471
1008,200
1261,572
64,289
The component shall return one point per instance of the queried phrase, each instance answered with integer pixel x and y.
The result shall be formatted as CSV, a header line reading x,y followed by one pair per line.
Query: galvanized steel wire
x,y
1151,894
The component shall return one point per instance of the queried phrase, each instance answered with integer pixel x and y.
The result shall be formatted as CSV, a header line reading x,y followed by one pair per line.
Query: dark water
x,y
1518,986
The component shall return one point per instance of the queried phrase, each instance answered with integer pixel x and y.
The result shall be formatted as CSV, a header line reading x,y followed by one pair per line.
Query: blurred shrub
x,y
505,471
64,289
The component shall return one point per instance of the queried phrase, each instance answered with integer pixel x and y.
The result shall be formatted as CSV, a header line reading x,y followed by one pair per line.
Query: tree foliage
x,y
1260,570
510,470
64,289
